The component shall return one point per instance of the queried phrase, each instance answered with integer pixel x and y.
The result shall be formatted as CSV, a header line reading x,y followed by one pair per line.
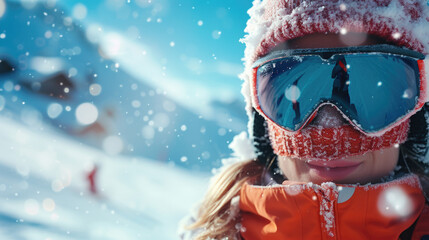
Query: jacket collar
x,y
329,211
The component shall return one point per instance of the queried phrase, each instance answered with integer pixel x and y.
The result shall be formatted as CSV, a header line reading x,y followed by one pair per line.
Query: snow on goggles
x,y
373,86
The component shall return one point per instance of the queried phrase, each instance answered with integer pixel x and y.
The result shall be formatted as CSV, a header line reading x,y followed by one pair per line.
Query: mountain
x,y
50,72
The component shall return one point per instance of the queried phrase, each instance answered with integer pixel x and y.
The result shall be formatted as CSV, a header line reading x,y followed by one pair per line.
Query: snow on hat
x,y
403,22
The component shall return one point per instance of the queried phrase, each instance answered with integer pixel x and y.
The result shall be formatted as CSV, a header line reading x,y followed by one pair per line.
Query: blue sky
x,y
195,41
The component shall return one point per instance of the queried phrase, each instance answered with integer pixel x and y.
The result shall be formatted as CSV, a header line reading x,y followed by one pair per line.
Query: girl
x,y
336,94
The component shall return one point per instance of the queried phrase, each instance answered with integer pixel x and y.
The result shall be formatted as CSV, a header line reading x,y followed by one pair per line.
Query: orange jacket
x,y
329,211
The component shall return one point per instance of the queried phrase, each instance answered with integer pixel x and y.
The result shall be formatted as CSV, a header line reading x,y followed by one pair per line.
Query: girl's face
x,y
369,167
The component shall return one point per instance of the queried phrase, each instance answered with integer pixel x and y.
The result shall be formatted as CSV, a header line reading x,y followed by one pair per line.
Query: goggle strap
x,y
381,48
255,90
424,71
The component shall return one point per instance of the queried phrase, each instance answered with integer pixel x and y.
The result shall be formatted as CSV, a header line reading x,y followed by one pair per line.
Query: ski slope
x,y
44,191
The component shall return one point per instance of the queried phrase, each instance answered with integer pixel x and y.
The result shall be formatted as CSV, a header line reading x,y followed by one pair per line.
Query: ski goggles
x,y
373,86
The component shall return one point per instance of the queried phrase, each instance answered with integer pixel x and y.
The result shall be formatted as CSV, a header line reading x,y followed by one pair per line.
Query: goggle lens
x,y
374,90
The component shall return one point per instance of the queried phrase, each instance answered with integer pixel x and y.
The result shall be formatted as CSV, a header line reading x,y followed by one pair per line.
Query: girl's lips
x,y
332,163
332,170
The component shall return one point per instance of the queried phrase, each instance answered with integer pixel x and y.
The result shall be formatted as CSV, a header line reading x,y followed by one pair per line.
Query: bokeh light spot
x,y
95,89
113,145
86,113
394,202
31,206
54,110
48,204
79,11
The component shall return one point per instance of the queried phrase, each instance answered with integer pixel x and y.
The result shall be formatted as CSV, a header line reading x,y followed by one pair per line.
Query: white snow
x,y
46,65
44,192
242,147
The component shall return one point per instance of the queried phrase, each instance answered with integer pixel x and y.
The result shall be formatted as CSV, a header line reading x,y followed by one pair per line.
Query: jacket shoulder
x,y
421,230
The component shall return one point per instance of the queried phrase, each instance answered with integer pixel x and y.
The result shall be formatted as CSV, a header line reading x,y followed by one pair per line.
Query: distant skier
x,y
341,84
92,178
340,89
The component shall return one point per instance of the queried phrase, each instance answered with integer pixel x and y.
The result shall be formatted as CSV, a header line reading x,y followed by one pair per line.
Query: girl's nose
x,y
328,117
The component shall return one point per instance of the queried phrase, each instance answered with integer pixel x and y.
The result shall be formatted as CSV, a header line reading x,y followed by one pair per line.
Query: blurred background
x,y
114,113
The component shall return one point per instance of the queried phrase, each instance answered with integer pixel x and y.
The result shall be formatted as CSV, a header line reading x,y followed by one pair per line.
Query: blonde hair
x,y
216,216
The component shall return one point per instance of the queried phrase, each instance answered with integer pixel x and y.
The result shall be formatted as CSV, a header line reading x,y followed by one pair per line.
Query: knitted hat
x,y
402,22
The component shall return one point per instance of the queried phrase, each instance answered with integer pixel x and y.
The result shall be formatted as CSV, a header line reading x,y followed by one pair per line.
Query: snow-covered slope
x,y
44,192
56,69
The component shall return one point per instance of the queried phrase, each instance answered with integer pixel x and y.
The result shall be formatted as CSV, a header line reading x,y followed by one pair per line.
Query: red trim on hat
x,y
302,18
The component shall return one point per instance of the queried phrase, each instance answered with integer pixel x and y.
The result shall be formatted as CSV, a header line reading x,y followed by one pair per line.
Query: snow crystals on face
x,y
328,117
